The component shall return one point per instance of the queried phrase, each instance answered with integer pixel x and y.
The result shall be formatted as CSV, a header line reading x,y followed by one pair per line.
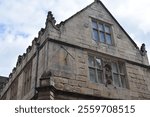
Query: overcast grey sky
x,y
20,21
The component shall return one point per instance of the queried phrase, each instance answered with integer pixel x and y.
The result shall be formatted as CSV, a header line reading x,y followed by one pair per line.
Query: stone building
x,y
88,56
3,81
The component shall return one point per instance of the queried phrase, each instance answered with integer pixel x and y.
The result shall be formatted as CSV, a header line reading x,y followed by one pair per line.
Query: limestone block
x,y
76,89
93,86
59,86
73,82
82,84
87,91
81,78
68,87
97,93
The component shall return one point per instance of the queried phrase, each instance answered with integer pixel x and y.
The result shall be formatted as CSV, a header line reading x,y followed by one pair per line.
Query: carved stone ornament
x,y
19,60
50,19
143,50
24,55
96,0
28,49
108,74
119,36
14,69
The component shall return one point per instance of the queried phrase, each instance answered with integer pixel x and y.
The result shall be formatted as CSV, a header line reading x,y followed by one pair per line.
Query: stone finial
x,y
50,18
96,1
143,50
14,69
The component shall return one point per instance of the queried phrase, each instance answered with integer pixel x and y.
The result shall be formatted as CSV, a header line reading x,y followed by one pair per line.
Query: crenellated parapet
x,y
22,58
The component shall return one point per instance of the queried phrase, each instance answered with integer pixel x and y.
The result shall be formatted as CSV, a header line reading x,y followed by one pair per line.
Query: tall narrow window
x,y
115,74
27,79
95,69
119,74
102,32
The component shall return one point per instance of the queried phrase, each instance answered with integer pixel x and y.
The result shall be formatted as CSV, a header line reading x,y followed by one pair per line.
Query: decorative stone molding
x,y
28,49
14,69
51,19
108,74
24,55
96,1
59,25
143,50
41,32
10,75
19,60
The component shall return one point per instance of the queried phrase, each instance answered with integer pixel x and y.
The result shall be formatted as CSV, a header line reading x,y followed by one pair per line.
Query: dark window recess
x,y
102,32
95,69
27,79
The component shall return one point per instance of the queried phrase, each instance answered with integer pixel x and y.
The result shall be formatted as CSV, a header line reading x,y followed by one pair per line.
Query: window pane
x,y
116,80
94,24
107,29
98,63
102,37
95,35
114,67
101,27
100,76
108,39
92,75
123,81
91,61
121,68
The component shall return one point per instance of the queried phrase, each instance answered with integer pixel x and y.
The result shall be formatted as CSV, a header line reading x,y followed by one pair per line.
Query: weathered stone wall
x,y
69,63
139,81
76,78
77,30
18,73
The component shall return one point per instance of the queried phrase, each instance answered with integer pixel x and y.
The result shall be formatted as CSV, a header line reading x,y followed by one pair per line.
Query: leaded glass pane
x,y
95,35
116,80
91,61
123,81
121,68
101,27
102,37
98,63
100,76
114,67
108,39
107,29
94,24
92,74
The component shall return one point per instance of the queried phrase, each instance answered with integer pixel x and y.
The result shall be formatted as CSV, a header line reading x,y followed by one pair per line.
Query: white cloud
x,y
20,21
134,16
